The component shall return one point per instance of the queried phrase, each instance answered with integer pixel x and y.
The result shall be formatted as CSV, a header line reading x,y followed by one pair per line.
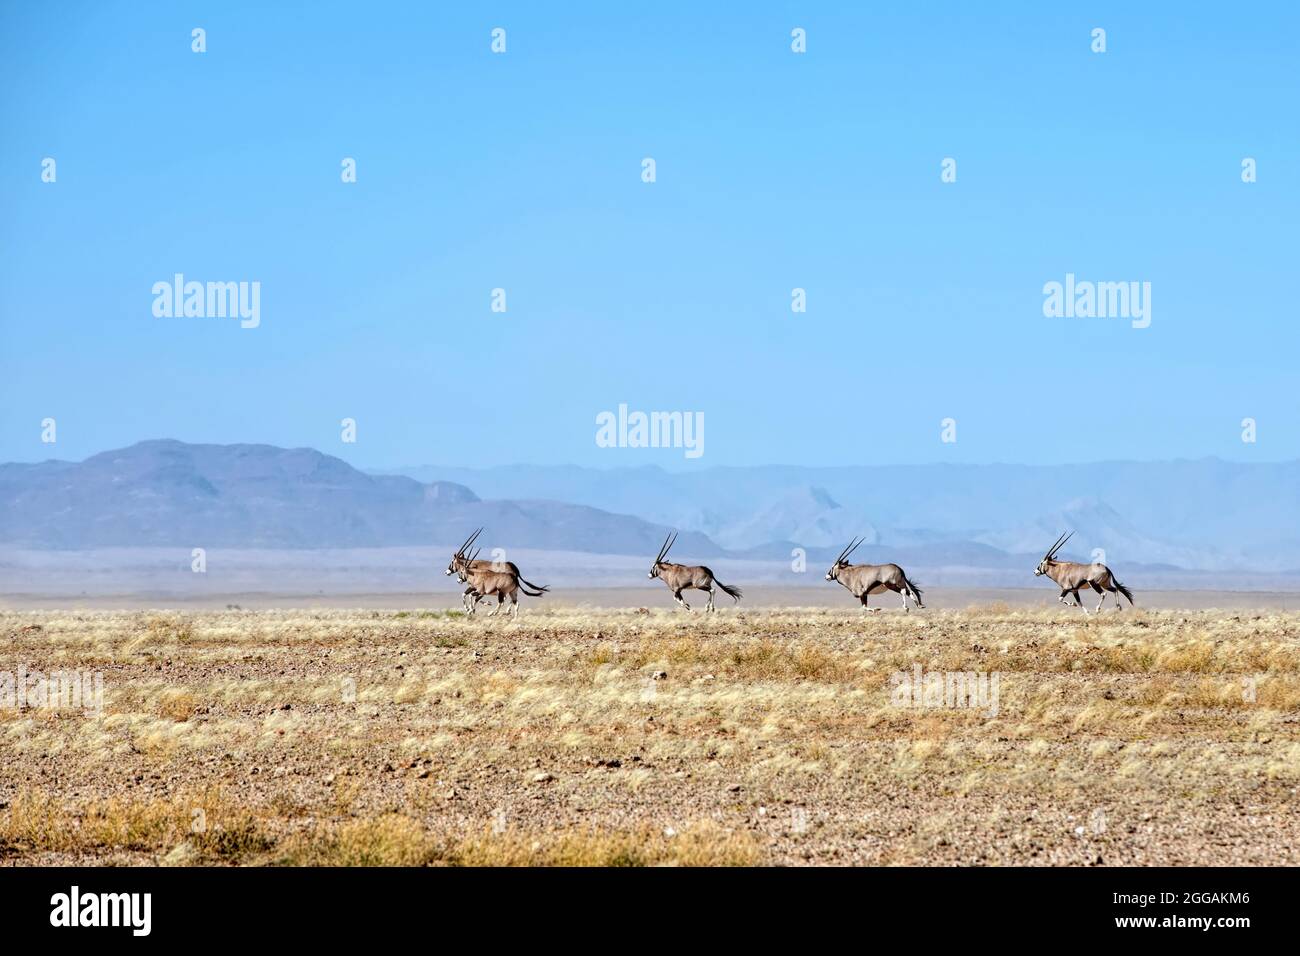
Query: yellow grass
x,y
620,738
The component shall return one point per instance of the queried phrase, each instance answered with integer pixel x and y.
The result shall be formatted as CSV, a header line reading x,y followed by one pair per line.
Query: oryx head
x,y
458,560
1050,556
842,561
462,571
663,553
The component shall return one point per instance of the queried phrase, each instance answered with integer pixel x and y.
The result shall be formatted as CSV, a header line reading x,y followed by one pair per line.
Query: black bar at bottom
x,y
331,906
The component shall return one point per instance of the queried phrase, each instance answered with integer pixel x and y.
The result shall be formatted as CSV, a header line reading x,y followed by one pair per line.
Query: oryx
x,y
864,579
679,577
458,560
484,582
1071,576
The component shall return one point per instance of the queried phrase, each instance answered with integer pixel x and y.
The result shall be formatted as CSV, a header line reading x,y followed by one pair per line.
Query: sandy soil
x,y
603,736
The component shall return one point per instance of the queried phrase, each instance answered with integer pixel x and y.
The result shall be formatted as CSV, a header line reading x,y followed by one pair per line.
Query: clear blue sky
x,y
775,170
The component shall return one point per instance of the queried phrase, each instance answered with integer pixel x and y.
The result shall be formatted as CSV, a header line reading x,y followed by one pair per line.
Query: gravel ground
x,y
636,736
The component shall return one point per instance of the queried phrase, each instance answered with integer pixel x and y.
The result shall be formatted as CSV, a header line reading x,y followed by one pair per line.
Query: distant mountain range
x,y
1205,514
259,496
1202,515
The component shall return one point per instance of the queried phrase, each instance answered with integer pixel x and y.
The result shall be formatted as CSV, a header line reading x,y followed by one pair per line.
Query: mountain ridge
x,y
1205,514
166,492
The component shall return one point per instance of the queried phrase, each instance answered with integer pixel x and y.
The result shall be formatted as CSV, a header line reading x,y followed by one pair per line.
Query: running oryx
x,y
484,582
679,577
864,579
1072,576
459,559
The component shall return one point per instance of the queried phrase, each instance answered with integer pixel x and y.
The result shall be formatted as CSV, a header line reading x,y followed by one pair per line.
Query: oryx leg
x,y
514,604
681,600
1078,600
709,606
501,599
1062,598
1102,591
903,591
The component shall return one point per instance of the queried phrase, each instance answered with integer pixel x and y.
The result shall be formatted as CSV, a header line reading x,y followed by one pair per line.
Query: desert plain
x,y
644,736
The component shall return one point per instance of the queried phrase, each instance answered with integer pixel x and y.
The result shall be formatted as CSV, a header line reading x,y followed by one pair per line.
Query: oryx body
x,y
459,560
484,582
1071,577
862,580
680,577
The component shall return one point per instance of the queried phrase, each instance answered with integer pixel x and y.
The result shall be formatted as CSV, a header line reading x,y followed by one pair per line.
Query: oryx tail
x,y
916,592
730,591
1121,589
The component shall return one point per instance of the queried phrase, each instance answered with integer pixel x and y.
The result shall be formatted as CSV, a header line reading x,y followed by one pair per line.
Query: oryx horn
x,y
852,546
1060,543
468,541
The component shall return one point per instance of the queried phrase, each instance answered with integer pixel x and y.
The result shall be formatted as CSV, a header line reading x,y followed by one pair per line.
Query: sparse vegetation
x,y
630,738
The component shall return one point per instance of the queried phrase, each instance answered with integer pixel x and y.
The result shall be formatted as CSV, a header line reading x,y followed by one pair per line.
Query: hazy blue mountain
x,y
805,514
1099,532
1203,513
259,496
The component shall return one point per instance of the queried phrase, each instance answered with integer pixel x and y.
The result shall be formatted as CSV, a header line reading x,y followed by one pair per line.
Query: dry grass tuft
x,y
216,829
177,705
397,840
